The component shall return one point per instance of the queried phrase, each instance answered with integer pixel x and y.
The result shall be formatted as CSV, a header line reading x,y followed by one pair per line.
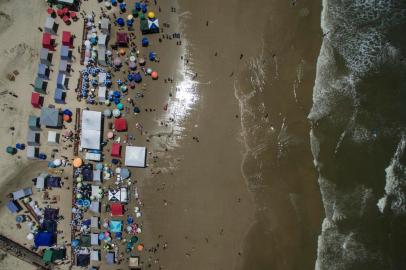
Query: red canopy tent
x,y
66,38
120,124
46,41
116,150
122,39
117,210
35,100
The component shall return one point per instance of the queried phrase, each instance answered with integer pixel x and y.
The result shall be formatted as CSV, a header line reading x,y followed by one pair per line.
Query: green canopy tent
x,y
40,86
51,255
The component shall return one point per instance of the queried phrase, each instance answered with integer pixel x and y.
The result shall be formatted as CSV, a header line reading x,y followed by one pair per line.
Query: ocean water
x,y
358,134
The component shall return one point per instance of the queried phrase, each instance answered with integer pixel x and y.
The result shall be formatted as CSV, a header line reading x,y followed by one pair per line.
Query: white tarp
x,y
53,137
135,156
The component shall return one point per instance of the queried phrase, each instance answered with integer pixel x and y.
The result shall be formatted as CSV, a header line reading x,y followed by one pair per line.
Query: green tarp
x,y
51,255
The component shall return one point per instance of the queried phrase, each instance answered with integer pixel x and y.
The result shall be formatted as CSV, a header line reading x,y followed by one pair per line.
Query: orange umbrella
x,y
66,118
140,247
122,51
154,75
77,162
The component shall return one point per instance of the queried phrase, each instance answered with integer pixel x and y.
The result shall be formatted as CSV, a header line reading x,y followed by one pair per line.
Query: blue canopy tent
x,y
44,239
116,226
49,226
53,181
43,71
59,96
14,207
87,174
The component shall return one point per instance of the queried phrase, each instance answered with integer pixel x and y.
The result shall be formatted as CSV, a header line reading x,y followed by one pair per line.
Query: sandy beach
x,y
230,182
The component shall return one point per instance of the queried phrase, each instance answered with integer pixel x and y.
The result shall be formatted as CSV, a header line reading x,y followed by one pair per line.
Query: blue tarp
x,y
44,239
49,226
87,174
53,181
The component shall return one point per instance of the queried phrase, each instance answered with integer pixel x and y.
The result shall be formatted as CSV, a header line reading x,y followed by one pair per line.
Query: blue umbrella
x,y
114,2
117,94
130,219
129,22
119,82
120,106
151,56
118,235
137,110
120,21
130,77
20,146
115,161
137,77
86,203
145,42
67,112
101,236
143,8
116,101
138,6
122,6
19,219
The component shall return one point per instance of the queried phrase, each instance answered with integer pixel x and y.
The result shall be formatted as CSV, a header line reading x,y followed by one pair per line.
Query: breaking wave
x,y
357,126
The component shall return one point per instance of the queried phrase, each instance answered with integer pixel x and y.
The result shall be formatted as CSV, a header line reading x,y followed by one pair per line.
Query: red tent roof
x,y
46,39
66,38
120,124
122,38
116,150
35,100
117,209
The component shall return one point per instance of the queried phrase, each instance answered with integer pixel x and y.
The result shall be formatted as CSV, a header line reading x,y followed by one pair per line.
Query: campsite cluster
x,y
104,228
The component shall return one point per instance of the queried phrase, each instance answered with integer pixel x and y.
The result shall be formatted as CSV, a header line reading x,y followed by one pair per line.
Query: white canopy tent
x,y
91,130
120,195
135,156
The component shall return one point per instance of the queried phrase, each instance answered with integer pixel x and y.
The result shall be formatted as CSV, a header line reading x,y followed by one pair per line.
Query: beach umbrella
x,y
152,56
67,112
143,8
20,219
141,61
20,146
11,150
130,17
78,179
115,161
123,88
120,21
151,15
77,162
110,135
116,113
140,247
137,110
79,185
86,203
132,65
120,106
117,61
66,118
137,77
114,2
107,4
117,94
138,6
87,43
122,6
121,51
145,42
59,11
154,75
30,236
130,77
73,15
79,196
107,102
99,166
129,23
66,19
132,58
132,85
57,162
50,11
65,11
119,82
107,113
101,236
149,71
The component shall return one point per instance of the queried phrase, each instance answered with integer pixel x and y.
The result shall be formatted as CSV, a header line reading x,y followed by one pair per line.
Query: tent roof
x,y
50,117
65,51
120,124
110,257
35,98
66,37
135,156
52,136
90,139
117,209
49,22
44,239
44,52
51,213
116,150
22,193
14,206
122,38
91,120
46,39
83,259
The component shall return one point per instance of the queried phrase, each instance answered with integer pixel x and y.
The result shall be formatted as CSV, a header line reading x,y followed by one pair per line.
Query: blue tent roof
x,y
13,206
44,239
115,226
110,257
42,69
65,52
